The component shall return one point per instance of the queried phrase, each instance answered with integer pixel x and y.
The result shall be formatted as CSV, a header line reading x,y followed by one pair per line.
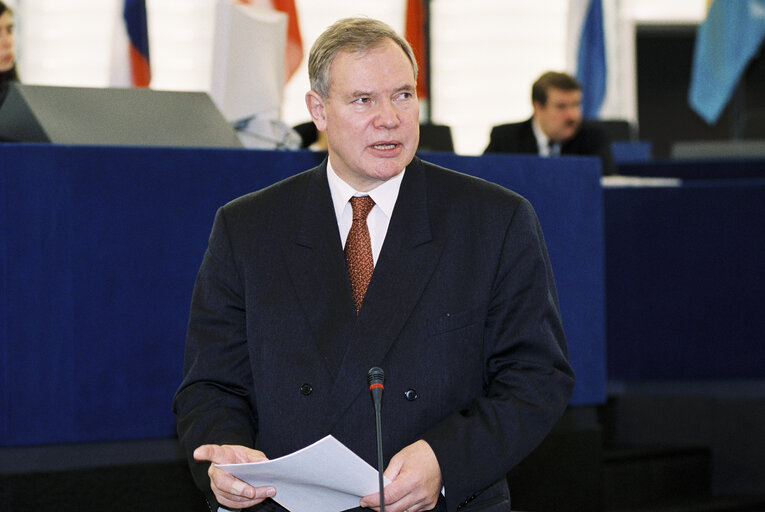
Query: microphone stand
x,y
375,379
379,455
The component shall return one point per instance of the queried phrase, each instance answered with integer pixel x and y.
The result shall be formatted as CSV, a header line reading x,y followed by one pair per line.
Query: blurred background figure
x,y
556,127
310,137
7,46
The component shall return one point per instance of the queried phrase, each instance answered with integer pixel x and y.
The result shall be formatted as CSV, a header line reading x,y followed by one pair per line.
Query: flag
x,y
726,41
587,39
414,32
137,28
130,51
293,54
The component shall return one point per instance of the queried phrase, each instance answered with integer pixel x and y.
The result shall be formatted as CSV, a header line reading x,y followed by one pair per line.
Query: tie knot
x,y
361,205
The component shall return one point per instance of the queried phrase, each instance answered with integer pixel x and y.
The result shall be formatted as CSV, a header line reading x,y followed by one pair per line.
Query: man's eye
x,y
362,101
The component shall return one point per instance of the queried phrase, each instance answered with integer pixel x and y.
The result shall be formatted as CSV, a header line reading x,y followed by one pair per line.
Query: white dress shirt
x,y
384,196
545,145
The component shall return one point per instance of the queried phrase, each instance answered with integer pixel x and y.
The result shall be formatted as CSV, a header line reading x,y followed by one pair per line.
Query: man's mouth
x,y
384,147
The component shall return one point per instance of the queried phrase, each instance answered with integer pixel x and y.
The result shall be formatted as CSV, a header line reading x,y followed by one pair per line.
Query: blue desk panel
x,y
685,281
631,152
702,169
100,247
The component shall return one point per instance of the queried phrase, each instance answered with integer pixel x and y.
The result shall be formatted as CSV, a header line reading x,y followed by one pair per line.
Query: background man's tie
x,y
358,249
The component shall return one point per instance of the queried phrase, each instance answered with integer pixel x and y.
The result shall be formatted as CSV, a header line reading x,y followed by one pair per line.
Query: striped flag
x,y
414,32
294,53
130,50
587,36
726,41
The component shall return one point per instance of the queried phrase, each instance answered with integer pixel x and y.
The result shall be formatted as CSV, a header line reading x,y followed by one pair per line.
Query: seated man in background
x,y
556,127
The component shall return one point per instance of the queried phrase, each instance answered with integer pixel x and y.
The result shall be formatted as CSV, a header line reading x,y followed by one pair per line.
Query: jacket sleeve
x,y
214,404
528,380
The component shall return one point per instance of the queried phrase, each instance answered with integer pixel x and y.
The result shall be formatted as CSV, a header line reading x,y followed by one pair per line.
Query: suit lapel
x,y
530,144
317,268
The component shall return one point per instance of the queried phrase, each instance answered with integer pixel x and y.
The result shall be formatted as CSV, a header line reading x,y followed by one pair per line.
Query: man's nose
x,y
387,115
573,114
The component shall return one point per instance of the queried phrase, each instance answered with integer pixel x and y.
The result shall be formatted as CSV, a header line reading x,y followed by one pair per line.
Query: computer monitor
x,y
248,61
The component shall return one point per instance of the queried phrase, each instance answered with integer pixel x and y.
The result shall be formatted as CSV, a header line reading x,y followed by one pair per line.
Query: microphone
x,y
375,378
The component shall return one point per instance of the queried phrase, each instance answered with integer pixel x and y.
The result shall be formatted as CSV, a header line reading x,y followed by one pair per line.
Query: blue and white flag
x,y
586,33
725,43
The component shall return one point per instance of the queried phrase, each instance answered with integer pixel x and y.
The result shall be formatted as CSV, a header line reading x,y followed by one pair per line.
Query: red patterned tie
x,y
358,249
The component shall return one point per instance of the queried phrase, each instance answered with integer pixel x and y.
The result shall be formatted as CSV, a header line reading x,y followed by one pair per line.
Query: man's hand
x,y
415,481
230,491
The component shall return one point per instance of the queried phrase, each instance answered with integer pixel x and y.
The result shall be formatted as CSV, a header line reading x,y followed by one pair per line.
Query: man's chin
x,y
565,137
391,162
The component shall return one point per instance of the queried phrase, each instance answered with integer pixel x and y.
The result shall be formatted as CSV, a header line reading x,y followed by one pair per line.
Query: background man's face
x,y
561,116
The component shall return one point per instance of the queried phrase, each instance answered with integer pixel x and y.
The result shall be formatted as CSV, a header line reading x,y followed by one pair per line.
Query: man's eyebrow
x,y
405,88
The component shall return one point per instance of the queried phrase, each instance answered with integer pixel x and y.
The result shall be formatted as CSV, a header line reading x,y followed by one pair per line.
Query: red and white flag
x,y
414,32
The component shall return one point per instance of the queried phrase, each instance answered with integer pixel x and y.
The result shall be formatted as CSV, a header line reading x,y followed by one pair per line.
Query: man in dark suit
x,y
556,126
461,310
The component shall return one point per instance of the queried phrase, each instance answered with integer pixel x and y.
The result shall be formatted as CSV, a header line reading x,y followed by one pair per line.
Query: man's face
x,y
371,115
7,57
561,116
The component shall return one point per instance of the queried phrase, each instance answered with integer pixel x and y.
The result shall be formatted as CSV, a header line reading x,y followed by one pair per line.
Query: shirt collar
x,y
543,141
384,195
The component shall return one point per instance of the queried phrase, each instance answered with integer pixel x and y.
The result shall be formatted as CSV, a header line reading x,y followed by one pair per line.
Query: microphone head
x,y
375,377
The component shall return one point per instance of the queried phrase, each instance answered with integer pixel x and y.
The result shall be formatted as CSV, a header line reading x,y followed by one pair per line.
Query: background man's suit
x,y
519,138
461,313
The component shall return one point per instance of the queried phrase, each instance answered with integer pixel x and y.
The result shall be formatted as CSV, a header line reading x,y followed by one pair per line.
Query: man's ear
x,y
315,105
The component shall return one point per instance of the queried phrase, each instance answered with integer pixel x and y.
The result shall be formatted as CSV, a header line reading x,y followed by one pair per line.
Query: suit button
x,y
411,395
306,389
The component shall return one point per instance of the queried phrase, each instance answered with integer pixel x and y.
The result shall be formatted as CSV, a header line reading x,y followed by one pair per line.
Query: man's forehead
x,y
344,57
362,53
563,95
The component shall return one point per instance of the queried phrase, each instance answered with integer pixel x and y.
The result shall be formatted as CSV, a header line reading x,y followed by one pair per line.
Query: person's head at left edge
x,y
363,95
7,45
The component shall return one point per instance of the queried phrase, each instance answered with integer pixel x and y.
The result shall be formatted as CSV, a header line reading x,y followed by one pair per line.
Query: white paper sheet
x,y
323,477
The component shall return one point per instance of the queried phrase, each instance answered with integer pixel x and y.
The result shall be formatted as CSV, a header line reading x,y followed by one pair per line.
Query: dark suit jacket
x,y
519,138
461,313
